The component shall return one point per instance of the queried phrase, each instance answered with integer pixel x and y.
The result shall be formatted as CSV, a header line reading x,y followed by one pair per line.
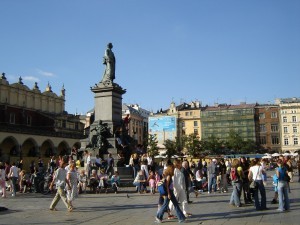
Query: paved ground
x,y
140,209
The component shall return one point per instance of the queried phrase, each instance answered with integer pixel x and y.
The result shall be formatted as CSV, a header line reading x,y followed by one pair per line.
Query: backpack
x,y
161,187
234,175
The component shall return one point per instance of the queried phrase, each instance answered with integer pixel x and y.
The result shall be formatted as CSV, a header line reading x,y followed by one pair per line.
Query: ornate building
x,y
35,123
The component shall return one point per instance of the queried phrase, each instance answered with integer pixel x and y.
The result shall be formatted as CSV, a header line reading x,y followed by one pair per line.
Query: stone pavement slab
x,y
140,209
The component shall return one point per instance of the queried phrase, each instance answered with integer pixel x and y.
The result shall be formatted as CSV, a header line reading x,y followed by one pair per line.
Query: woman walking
x,y
168,173
72,193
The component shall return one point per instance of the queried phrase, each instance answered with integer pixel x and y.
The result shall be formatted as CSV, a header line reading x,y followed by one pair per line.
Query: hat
x,y
214,160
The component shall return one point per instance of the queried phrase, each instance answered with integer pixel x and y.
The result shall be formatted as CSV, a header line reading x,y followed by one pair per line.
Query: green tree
x,y
213,144
234,141
171,147
192,144
249,146
152,145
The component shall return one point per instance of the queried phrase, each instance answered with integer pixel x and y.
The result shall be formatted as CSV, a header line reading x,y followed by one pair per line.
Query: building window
x,y
294,118
285,130
295,141
273,114
262,140
76,126
275,140
262,128
261,116
274,127
188,113
12,118
196,131
28,121
286,141
284,119
195,123
295,130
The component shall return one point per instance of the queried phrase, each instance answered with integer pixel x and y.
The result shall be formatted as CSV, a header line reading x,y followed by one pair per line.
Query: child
x,y
103,177
140,182
151,181
275,184
22,182
157,178
60,180
82,182
115,182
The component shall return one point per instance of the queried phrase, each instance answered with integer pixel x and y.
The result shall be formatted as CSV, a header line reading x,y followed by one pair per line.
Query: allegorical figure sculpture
x,y
102,133
110,62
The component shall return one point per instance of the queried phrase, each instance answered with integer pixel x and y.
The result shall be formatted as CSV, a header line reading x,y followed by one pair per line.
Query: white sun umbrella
x,y
275,154
175,157
160,157
267,157
286,154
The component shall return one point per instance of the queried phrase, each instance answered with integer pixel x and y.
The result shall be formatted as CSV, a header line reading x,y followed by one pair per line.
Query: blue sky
x,y
224,51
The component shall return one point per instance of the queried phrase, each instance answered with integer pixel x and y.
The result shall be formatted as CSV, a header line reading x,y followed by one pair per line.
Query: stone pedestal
x,y
108,109
108,104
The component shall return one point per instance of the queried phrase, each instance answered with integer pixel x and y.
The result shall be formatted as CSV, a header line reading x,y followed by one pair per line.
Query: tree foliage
x,y
171,147
152,145
213,144
192,144
234,143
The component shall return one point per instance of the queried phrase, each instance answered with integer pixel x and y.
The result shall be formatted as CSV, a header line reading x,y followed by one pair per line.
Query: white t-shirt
x,y
256,172
13,172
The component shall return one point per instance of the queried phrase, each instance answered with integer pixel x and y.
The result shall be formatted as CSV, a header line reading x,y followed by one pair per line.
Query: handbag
x,y
253,184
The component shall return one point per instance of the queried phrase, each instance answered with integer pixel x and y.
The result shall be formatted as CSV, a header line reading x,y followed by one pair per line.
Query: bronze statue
x,y
110,62
102,133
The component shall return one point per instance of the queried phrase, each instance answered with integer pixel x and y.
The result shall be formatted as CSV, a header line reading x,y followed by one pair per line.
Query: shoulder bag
x,y
253,184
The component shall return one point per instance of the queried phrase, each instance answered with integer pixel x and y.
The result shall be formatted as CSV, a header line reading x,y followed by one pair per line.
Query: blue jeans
x,y
262,204
283,197
236,194
135,170
141,186
14,184
165,205
212,182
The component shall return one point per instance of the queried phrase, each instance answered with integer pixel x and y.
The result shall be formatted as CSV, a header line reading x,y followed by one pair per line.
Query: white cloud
x,y
31,78
44,73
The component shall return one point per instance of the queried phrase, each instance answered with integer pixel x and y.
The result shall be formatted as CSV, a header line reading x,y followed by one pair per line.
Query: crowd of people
x,y
247,179
178,178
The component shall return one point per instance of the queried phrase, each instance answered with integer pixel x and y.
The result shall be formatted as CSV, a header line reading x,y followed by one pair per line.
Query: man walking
x,y
60,179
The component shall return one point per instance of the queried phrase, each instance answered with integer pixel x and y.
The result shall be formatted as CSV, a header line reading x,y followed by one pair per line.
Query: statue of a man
x,y
110,62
